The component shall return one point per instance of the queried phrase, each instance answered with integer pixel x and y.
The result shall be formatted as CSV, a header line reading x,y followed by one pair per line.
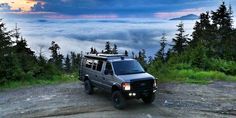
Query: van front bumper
x,y
139,93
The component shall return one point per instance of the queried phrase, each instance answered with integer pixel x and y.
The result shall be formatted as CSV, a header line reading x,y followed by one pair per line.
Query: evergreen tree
x,y
202,31
126,53
91,50
160,55
25,55
150,59
78,61
67,64
222,22
168,54
73,61
5,40
181,40
133,55
114,50
108,48
141,58
222,18
56,57
8,65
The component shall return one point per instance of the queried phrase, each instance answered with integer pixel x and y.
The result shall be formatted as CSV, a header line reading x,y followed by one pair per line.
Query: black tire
x,y
118,100
148,99
88,87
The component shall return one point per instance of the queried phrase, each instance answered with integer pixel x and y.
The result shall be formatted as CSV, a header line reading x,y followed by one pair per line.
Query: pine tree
x,y
56,57
78,61
222,22
91,50
67,64
133,55
222,18
202,31
7,62
126,53
73,61
114,50
5,40
141,58
160,55
108,48
181,40
22,47
25,55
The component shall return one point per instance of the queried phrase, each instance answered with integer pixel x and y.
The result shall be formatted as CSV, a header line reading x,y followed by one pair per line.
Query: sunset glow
x,y
23,5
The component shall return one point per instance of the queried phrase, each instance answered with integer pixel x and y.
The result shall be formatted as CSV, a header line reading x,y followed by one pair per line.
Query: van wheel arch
x,y
86,78
115,88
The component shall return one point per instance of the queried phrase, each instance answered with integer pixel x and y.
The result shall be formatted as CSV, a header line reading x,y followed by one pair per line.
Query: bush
x,y
227,67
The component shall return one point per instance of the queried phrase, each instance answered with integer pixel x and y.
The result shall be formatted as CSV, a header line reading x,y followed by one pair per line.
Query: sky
x,y
78,25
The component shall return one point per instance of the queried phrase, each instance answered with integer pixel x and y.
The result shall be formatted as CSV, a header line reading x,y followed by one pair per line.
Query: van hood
x,y
138,76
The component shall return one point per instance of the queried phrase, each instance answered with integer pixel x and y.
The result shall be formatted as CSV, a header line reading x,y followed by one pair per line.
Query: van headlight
x,y
126,86
155,82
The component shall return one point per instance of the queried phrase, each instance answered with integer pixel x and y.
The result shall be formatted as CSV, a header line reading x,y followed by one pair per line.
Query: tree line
x,y
211,46
18,62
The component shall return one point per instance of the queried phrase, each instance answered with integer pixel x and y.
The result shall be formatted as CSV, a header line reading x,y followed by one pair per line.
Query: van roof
x,y
110,57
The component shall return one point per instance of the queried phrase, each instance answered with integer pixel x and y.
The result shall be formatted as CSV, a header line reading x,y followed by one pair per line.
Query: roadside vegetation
x,y
207,55
56,79
20,66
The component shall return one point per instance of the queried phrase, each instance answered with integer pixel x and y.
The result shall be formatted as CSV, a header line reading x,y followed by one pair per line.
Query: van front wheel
x,y
118,100
88,87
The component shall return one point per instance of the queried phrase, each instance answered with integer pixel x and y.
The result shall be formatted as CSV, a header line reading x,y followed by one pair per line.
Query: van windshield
x,y
127,67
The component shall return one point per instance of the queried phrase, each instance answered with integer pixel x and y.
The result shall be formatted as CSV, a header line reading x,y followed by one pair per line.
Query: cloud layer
x,y
82,34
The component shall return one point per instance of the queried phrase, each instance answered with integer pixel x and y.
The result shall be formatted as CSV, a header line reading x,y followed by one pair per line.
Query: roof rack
x,y
111,55
106,56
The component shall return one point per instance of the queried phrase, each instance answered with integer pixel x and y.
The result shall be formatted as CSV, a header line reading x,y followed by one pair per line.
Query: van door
x,y
108,76
97,74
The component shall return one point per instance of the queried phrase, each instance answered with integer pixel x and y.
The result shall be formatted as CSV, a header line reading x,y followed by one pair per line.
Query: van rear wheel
x,y
118,100
88,87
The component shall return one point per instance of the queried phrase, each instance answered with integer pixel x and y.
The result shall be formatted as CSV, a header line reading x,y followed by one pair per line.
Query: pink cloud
x,y
168,15
60,16
98,16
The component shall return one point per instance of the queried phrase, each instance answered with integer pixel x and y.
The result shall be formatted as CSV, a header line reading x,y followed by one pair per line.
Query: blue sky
x,y
78,25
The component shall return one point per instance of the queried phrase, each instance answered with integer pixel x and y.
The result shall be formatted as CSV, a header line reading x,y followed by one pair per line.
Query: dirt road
x,y
69,100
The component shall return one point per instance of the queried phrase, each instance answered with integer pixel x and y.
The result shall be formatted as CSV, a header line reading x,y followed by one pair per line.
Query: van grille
x,y
142,84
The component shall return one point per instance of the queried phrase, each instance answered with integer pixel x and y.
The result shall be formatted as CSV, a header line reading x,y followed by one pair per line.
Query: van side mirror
x,y
145,69
106,72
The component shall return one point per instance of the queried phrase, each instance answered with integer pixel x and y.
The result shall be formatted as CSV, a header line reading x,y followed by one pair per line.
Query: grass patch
x,y
194,76
57,79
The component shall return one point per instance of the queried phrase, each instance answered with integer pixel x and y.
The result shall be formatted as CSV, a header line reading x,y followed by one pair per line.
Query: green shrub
x,y
227,67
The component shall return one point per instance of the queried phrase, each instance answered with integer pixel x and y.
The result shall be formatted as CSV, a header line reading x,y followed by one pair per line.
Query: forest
x,y
206,55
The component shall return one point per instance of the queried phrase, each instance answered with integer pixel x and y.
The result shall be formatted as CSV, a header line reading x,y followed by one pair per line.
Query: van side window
x,y
89,63
95,63
99,67
108,67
